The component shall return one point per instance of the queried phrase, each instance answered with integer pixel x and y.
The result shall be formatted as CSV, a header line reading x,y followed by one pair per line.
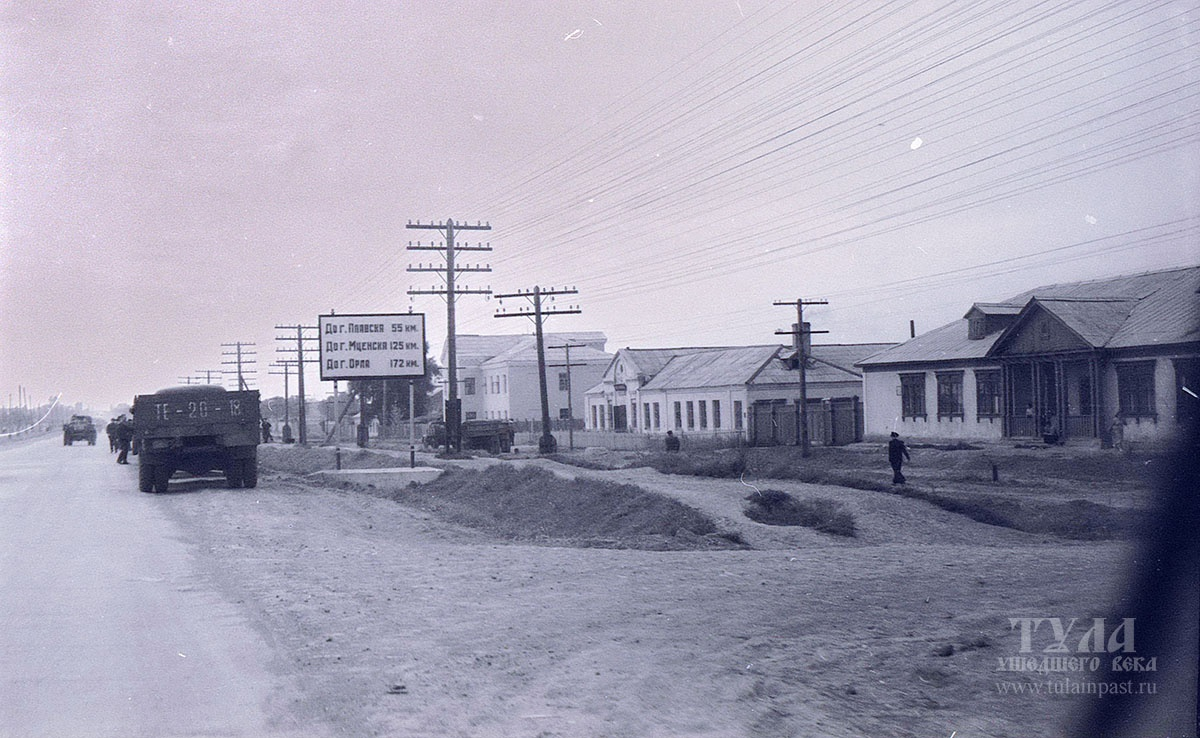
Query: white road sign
x,y
372,346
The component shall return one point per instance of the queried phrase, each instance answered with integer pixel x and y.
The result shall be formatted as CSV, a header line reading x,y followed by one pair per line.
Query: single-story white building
x,y
713,390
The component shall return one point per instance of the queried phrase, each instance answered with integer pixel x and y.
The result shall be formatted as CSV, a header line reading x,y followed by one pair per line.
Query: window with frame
x,y
1135,389
563,382
703,415
646,410
950,395
678,416
716,414
988,394
657,417
564,413
691,414
737,414
633,418
469,386
912,395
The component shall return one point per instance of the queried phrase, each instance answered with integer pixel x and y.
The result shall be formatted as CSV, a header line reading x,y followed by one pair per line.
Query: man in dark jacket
x,y
897,455
124,439
672,441
111,430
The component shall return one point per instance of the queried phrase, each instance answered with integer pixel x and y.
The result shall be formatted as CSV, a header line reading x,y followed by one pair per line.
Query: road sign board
x,y
372,346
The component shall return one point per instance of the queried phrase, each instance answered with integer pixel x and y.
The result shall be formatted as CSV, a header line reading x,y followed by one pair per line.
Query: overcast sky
x,y
181,176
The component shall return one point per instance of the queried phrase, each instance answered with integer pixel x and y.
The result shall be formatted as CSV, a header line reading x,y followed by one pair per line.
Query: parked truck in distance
x,y
487,435
79,428
196,428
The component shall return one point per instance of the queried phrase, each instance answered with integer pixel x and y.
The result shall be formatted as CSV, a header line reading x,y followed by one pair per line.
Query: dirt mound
x,y
531,504
306,460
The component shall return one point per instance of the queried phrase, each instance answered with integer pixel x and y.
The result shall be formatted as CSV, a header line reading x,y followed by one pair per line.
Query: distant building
x,y
1082,360
498,374
713,390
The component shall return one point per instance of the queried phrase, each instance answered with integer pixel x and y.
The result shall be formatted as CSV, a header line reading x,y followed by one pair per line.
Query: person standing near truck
x,y
111,430
124,438
266,431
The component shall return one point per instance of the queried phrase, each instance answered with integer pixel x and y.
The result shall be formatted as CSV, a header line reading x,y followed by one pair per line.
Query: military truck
x,y
79,428
488,435
197,428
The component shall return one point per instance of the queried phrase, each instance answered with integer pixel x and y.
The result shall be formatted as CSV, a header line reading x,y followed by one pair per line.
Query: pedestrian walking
x,y
124,439
897,455
266,430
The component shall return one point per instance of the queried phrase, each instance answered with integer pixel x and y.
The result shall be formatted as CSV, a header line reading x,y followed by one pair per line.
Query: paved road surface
x,y
106,629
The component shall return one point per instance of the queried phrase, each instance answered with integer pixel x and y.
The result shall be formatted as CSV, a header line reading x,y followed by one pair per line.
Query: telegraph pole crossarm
x,y
799,332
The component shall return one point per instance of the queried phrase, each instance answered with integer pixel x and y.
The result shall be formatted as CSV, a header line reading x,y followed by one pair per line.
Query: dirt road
x,y
319,611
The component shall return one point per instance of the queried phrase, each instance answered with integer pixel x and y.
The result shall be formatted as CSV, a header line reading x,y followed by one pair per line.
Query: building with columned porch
x,y
1096,360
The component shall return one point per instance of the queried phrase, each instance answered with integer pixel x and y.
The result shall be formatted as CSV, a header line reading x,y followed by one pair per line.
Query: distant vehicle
x,y
198,428
488,435
79,428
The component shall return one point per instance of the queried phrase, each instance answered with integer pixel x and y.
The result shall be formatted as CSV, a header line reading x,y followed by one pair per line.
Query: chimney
x,y
912,329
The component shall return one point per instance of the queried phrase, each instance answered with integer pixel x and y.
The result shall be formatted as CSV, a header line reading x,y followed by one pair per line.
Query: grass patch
x,y
1075,519
532,504
774,507
722,464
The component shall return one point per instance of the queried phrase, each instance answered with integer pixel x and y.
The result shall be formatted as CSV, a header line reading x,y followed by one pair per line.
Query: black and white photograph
x,y
674,368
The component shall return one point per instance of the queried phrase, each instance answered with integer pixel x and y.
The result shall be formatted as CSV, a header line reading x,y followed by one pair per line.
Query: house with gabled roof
x,y
714,390
1103,360
498,374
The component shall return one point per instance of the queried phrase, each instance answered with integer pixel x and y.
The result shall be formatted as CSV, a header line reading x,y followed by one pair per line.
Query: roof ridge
x,y
1088,299
1115,277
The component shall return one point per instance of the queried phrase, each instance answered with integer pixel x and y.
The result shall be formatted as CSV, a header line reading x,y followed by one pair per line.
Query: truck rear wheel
x,y
249,472
162,476
146,477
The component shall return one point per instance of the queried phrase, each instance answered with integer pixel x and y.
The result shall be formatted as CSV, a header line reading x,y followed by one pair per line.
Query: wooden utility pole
x,y
566,347
300,361
286,431
799,332
208,374
240,357
534,311
448,271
